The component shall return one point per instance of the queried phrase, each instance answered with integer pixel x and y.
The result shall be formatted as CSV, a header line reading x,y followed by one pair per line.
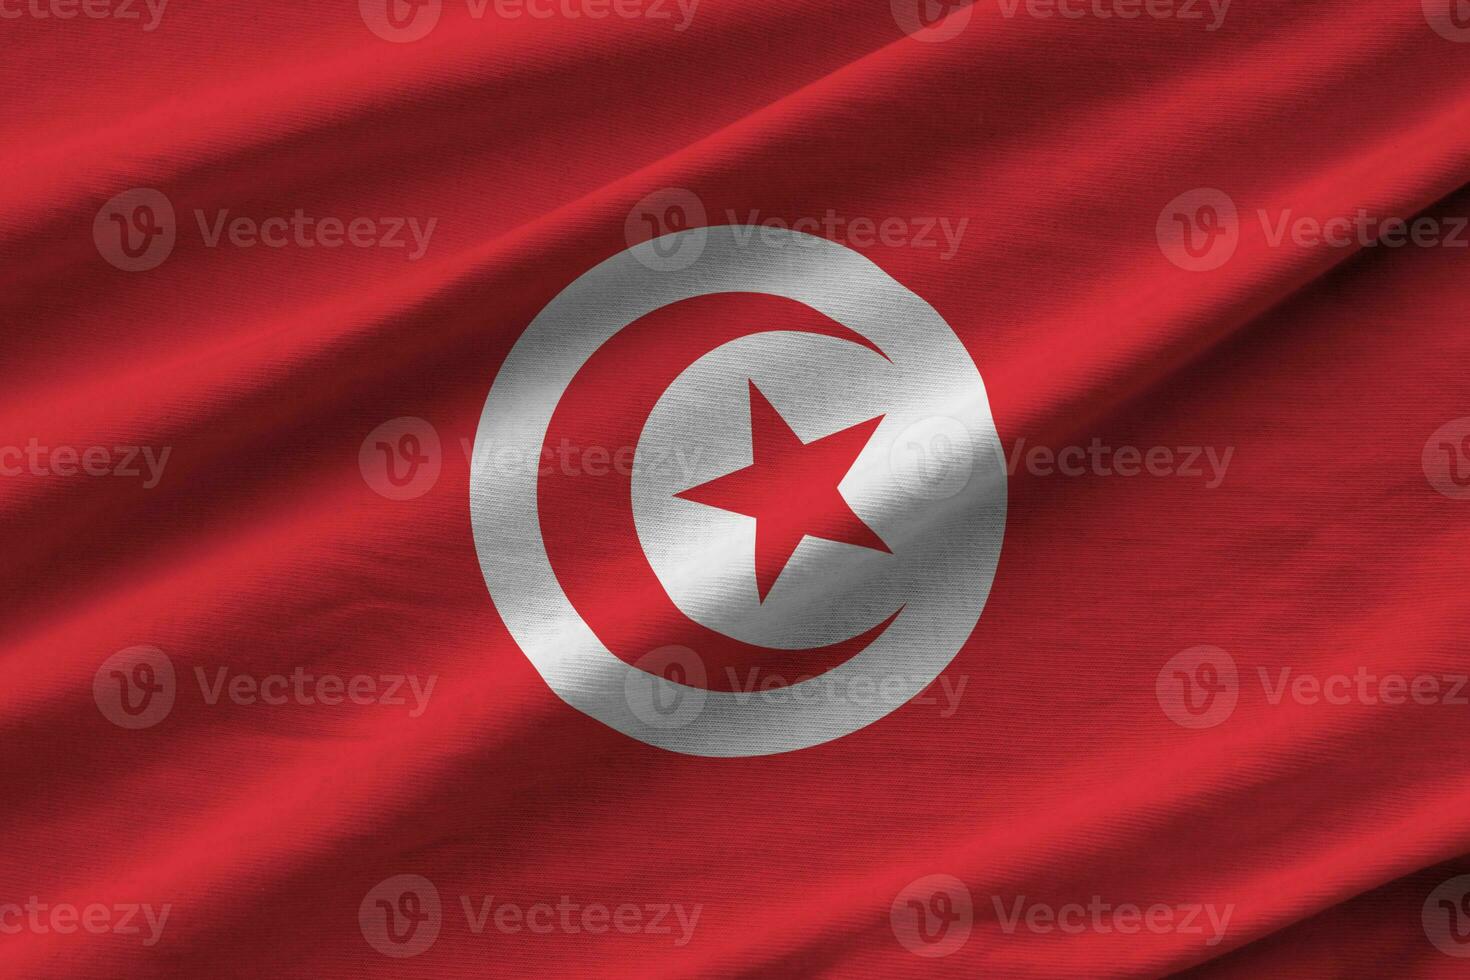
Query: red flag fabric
x,y
695,488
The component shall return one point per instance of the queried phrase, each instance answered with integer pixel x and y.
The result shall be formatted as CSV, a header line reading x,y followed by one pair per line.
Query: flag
x,y
695,488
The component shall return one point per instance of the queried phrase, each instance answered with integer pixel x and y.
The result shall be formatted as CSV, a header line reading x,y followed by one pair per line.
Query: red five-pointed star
x,y
791,489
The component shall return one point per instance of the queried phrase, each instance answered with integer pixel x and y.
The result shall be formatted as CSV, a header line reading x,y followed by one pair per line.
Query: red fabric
x,y
1329,546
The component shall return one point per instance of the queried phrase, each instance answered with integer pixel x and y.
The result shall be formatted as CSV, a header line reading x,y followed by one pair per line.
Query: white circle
x,y
844,286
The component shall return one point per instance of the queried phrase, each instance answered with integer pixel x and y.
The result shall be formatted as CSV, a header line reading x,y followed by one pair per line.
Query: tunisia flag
x,y
726,488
